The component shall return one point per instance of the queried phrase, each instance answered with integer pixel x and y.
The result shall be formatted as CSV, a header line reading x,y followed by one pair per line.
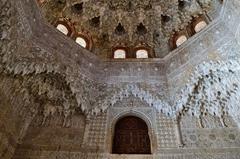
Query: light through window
x,y
200,26
81,41
181,40
119,54
142,53
62,29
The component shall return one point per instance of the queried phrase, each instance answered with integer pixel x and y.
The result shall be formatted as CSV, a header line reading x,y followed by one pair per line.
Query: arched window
x,y
131,137
81,41
119,54
141,53
62,28
200,26
180,40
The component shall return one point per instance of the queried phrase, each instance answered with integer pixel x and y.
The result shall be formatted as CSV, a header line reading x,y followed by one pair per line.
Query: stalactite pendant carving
x,y
213,89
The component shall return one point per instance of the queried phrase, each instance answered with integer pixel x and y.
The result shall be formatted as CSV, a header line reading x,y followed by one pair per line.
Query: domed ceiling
x,y
107,25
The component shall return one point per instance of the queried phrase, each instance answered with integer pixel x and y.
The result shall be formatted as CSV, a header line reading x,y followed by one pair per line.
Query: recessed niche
x,y
183,3
141,29
165,18
95,22
77,8
120,29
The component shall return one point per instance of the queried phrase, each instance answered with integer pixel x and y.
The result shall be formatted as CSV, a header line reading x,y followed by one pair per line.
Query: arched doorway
x,y
131,137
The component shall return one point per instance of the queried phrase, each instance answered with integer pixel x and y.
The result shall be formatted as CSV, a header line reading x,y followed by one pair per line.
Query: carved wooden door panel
x,y
131,137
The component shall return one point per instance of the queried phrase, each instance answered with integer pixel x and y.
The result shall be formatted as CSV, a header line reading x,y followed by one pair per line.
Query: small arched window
x,y
200,26
81,41
180,40
119,54
62,28
141,53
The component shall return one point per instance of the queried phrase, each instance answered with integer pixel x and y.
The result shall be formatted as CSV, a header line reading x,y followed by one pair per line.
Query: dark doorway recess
x,y
131,137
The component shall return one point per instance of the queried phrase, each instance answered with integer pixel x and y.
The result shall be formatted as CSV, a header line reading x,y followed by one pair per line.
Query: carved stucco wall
x,y
214,136
219,44
15,115
53,137
80,110
203,131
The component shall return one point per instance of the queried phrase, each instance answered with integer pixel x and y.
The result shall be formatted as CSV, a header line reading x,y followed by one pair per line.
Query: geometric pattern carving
x,y
166,128
97,131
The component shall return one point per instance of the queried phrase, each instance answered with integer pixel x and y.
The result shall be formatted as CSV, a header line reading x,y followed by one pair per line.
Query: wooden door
x,y
131,136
